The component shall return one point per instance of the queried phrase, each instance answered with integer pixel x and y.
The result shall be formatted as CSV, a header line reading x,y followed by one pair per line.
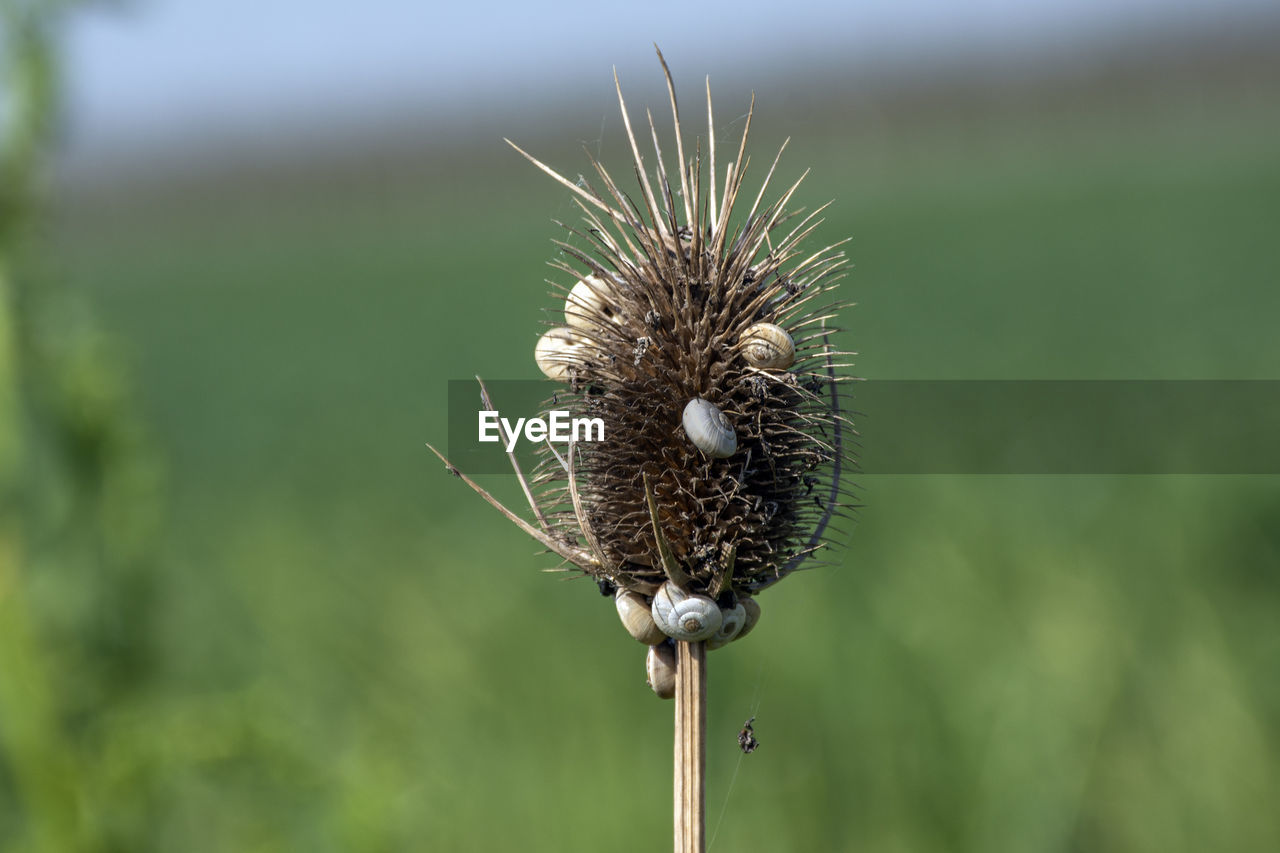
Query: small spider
x,y
747,737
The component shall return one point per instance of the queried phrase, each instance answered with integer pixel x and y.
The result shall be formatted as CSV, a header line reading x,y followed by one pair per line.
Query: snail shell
x,y
732,621
709,429
685,616
557,351
660,669
753,616
591,302
767,346
637,618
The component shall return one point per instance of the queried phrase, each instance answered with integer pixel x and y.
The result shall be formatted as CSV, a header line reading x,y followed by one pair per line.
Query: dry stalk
x,y
697,330
690,747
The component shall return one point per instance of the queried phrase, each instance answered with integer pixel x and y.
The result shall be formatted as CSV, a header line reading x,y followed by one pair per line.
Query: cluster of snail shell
x,y
593,301
672,614
675,614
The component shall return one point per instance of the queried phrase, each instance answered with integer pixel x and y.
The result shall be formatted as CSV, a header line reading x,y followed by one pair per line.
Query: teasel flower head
x,y
696,327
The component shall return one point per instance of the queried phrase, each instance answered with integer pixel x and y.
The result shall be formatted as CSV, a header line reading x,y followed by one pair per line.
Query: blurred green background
x,y
333,645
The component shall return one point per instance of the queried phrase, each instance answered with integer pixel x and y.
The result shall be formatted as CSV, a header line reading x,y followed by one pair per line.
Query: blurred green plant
x,y
78,501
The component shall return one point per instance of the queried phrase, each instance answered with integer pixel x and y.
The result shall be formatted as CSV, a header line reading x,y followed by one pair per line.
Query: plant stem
x,y
691,747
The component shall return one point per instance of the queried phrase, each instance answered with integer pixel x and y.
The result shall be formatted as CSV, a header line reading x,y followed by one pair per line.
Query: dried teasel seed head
x,y
768,347
558,351
726,446
709,429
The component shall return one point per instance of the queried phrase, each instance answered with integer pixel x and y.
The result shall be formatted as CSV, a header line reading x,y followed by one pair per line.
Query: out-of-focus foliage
x,y
351,652
77,510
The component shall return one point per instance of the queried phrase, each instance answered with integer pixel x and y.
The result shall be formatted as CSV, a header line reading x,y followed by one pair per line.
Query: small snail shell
x,y
767,346
685,616
660,669
590,303
637,618
556,352
731,624
708,429
753,616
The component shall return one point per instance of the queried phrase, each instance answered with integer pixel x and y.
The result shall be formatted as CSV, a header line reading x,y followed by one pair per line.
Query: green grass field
x,y
356,654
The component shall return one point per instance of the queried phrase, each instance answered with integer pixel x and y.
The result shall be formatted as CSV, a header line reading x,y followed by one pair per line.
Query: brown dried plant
x,y
680,276
698,334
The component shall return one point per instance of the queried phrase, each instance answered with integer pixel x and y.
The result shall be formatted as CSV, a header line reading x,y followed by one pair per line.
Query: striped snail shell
x,y
590,303
731,623
709,429
557,351
660,669
767,346
637,617
685,616
753,616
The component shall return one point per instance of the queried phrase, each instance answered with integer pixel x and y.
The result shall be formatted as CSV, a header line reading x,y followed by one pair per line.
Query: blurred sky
x,y
154,71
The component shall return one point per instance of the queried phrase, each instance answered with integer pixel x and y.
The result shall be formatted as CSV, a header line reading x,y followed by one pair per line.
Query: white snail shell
x,y
753,616
731,623
709,429
637,618
557,351
660,669
592,301
685,616
767,346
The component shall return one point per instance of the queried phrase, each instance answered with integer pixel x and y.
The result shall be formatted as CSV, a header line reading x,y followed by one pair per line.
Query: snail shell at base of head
x,y
685,616
753,616
637,617
557,352
592,301
731,624
768,347
709,429
660,669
